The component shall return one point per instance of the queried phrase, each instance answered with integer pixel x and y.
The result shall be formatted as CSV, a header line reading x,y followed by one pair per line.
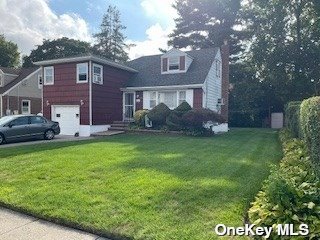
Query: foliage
x,y
216,18
292,115
182,108
139,117
195,118
174,121
58,48
9,54
310,128
144,183
110,40
291,193
159,114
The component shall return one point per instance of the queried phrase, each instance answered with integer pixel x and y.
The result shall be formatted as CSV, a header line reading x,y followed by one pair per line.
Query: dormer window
x,y
174,63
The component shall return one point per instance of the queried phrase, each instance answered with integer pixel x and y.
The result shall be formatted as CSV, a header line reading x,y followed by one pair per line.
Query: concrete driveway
x,y
58,138
17,226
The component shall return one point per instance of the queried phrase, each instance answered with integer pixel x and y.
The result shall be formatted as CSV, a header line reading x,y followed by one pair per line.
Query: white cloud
x,y
157,37
27,23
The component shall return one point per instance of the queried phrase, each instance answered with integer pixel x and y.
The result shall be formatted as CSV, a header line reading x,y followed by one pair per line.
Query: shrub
x,y
174,121
195,118
310,128
291,193
139,117
159,114
182,108
292,115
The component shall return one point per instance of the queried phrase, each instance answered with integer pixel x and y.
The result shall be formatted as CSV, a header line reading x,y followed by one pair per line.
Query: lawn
x,y
141,186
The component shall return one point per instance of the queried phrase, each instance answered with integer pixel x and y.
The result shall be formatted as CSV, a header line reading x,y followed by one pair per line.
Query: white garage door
x,y
68,118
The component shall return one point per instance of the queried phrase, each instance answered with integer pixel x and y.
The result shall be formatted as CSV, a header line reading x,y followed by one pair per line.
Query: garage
x,y
68,118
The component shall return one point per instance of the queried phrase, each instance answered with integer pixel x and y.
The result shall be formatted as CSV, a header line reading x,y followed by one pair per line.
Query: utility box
x,y
276,120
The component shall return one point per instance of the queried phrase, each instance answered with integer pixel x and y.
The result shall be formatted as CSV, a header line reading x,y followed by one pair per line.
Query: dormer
x,y
175,61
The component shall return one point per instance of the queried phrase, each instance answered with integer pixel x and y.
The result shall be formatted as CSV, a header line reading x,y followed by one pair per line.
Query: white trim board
x,y
173,87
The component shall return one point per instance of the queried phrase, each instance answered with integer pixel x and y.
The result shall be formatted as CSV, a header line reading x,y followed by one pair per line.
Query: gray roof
x,y
149,70
8,70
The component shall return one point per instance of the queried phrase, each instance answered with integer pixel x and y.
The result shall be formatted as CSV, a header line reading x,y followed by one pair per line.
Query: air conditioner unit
x,y
220,101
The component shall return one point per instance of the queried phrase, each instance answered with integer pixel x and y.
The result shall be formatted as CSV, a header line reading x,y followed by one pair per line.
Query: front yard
x,y
141,186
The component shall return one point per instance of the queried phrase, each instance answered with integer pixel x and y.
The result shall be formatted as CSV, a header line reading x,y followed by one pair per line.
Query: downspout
x,y
90,93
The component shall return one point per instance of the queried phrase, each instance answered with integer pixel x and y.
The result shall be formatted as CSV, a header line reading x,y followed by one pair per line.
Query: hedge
x,y
292,115
310,128
139,117
291,193
159,114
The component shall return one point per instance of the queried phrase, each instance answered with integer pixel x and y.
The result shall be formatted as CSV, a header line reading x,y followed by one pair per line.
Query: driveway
x,y
58,138
14,225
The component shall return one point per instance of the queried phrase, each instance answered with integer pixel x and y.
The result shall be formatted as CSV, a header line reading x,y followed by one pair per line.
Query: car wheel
x,y
1,139
49,135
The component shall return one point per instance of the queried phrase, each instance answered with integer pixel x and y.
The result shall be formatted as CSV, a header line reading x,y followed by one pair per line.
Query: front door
x,y
128,107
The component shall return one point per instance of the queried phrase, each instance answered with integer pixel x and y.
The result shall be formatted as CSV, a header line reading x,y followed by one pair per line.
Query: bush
x,y
139,117
310,128
195,118
174,122
291,193
292,115
159,114
182,109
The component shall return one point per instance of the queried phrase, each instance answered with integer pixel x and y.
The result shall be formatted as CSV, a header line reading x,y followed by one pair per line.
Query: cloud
x,y
157,37
27,23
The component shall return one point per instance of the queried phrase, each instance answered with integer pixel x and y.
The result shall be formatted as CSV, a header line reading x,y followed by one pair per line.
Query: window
x,y
20,121
1,80
218,68
48,76
25,107
37,120
153,99
40,83
174,63
182,97
82,72
97,74
168,98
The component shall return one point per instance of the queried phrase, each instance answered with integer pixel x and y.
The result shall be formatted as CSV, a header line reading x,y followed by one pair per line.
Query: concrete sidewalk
x,y
17,226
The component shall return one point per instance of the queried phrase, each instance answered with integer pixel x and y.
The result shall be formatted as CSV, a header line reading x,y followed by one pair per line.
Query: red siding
x,y
15,103
107,98
66,91
139,100
197,98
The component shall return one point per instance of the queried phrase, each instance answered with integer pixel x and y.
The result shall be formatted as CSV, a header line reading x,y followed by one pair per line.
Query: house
x,y
20,91
85,94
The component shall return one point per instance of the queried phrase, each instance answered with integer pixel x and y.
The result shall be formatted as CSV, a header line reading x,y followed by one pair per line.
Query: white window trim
x,y
178,96
157,97
29,106
168,65
45,76
78,66
101,67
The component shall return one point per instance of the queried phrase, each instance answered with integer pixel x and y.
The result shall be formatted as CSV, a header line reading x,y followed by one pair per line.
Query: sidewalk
x,y
17,226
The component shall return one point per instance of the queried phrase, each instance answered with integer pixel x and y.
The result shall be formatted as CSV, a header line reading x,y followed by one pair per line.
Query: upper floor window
x,y
48,75
174,63
218,68
97,74
82,73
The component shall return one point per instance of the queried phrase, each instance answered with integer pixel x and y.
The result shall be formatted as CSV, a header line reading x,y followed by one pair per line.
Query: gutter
x,y
173,87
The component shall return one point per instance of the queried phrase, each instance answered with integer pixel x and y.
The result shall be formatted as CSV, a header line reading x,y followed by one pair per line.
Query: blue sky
x,y
27,23
132,14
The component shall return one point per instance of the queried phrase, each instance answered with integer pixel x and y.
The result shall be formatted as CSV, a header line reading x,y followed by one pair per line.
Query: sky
x,y
27,23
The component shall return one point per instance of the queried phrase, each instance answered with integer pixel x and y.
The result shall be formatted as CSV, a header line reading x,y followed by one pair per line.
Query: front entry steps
x,y
119,126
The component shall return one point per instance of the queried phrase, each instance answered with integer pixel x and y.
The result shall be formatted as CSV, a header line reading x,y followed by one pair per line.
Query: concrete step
x,y
107,133
121,122
117,128
119,125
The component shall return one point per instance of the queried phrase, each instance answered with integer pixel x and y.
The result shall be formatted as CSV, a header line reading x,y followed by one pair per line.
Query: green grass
x,y
141,186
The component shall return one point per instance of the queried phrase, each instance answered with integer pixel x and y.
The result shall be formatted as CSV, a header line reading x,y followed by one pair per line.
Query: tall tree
x,y
111,40
58,48
207,23
9,54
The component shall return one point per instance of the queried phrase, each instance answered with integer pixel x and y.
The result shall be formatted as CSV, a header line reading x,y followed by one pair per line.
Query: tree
x,y
9,55
207,23
58,48
110,40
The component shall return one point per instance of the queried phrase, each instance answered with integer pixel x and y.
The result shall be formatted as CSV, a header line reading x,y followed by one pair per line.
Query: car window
x,y
20,121
37,120
6,119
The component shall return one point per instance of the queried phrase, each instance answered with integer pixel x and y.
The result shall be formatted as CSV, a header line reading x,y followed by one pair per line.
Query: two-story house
x,y
20,91
85,94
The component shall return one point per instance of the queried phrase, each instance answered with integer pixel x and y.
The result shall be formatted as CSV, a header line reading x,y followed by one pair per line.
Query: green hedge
x,y
139,117
310,128
291,193
159,114
292,115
